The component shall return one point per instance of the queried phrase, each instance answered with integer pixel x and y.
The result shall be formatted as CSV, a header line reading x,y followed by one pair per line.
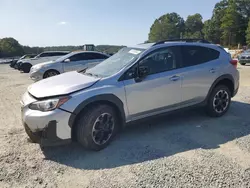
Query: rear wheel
x,y
219,101
50,73
97,127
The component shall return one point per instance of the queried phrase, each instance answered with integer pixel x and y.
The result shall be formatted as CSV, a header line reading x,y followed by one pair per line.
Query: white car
x,y
25,64
74,61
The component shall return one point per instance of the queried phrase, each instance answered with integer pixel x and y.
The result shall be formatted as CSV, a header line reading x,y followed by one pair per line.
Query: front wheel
x,y
243,63
50,73
97,127
219,101
26,67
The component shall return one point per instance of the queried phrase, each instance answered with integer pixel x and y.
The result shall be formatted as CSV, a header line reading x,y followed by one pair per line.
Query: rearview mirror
x,y
67,60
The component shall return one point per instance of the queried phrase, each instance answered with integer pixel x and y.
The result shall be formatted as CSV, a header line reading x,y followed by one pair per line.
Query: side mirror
x,y
142,73
66,60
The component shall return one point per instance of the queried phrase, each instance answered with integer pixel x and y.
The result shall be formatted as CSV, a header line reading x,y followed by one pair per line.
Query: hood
x,y
45,63
61,85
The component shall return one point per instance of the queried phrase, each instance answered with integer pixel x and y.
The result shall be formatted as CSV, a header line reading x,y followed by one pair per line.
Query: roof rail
x,y
182,40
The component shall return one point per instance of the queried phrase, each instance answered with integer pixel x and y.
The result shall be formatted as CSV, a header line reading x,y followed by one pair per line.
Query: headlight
x,y
48,105
35,68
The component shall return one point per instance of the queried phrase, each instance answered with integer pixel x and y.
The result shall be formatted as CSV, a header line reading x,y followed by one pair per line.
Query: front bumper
x,y
36,75
47,128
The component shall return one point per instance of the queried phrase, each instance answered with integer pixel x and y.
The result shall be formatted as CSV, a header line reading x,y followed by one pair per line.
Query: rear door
x,y
200,66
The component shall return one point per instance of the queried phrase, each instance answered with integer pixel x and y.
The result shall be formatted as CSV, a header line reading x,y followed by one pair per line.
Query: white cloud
x,y
62,23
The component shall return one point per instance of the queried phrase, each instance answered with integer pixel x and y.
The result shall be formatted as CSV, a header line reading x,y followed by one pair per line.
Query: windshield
x,y
23,57
116,62
38,55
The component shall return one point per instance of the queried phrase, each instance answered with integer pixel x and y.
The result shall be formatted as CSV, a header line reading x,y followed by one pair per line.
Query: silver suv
x,y
137,82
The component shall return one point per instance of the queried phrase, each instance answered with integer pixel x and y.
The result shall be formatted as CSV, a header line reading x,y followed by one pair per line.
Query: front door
x,y
75,62
160,90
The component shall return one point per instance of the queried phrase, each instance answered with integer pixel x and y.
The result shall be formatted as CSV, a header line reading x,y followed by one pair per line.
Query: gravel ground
x,y
187,149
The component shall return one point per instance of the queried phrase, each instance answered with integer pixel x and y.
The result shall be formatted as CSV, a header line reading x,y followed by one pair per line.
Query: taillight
x,y
234,62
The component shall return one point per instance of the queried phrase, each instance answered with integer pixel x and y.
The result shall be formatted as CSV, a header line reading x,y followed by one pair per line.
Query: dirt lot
x,y
187,149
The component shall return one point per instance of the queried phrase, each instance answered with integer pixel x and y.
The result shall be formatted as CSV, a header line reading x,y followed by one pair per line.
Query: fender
x,y
111,98
225,76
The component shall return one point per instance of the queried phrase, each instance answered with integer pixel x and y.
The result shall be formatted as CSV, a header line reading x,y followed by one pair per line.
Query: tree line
x,y
228,26
10,47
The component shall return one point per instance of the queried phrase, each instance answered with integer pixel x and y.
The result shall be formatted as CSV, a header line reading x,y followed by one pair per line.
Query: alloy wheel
x,y
221,101
103,128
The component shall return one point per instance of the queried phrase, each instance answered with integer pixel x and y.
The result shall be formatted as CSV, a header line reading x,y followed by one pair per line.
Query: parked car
x,y
26,64
136,83
74,61
27,56
244,58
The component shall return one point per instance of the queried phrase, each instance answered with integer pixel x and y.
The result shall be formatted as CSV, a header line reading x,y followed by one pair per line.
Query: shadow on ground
x,y
159,138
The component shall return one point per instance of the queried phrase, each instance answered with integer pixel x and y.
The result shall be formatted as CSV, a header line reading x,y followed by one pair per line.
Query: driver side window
x,y
77,57
162,60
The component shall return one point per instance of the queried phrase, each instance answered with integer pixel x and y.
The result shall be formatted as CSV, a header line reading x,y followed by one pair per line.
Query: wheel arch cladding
x,y
226,80
109,99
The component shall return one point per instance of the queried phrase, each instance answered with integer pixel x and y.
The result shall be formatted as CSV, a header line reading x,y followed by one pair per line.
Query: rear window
x,y
195,55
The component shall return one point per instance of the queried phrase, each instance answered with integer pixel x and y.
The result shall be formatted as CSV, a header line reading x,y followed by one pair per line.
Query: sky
x,y
78,22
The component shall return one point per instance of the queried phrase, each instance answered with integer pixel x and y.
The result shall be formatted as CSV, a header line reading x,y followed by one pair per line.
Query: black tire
x,y
89,119
25,67
211,108
243,63
50,73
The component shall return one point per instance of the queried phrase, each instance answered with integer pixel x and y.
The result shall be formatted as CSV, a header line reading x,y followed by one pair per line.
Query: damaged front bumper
x,y
46,128
47,136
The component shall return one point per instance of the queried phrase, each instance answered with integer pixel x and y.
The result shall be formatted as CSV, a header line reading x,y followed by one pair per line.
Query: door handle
x,y
174,78
212,70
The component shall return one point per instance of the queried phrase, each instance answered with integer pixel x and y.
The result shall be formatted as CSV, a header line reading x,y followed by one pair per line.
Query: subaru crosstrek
x,y
137,82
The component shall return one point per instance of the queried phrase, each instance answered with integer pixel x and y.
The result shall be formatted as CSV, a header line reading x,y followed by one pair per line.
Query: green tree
x,y
194,26
214,26
10,47
248,34
230,24
168,26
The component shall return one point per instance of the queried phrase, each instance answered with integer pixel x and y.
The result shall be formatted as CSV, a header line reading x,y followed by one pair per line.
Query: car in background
x,y
27,56
244,58
74,61
26,64
138,82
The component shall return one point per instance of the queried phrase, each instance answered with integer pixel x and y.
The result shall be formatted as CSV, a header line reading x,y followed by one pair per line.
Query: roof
x,y
189,41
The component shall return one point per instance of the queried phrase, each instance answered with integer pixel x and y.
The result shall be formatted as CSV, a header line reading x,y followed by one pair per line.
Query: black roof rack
x,y
182,40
